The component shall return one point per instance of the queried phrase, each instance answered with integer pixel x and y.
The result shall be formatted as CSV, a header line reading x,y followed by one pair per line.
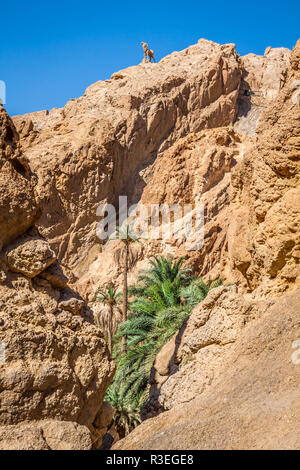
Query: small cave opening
x,y
19,167
9,135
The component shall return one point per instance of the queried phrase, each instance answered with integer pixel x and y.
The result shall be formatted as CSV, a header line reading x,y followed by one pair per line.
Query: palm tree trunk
x,y
125,296
110,346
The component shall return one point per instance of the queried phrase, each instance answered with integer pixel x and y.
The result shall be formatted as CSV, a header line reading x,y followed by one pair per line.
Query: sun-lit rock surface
x,y
54,362
202,125
229,378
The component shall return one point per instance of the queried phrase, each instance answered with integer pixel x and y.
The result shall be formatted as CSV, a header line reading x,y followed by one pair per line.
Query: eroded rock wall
x,y
54,363
247,195
265,204
156,133
228,380
207,125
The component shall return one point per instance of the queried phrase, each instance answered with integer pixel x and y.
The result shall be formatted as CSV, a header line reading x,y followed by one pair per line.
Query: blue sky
x,y
51,52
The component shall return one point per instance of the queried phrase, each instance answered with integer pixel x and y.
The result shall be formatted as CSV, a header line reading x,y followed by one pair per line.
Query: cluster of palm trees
x,y
111,297
161,300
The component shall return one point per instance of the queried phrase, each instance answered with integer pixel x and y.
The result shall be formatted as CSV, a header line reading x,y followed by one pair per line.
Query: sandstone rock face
x,y
233,380
264,239
56,361
210,333
228,379
104,144
30,257
262,80
203,125
55,276
250,192
18,206
174,147
73,305
54,367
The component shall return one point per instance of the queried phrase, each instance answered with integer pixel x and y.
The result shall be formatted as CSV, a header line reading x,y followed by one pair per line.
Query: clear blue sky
x,y
52,51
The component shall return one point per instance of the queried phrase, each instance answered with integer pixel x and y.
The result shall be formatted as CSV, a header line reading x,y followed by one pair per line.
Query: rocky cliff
x,y
201,125
229,378
166,132
54,365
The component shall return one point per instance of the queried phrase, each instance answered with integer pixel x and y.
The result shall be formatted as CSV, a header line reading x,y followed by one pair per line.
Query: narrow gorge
x,y
202,125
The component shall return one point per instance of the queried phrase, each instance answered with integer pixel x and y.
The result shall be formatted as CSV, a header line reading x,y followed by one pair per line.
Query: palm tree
x,y
128,237
126,414
110,298
164,297
166,269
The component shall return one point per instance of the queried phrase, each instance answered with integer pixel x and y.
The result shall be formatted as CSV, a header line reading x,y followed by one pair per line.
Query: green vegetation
x,y
162,300
108,320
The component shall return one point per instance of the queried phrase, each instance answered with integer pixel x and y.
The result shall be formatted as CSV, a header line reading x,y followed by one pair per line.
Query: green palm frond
x,y
197,291
163,299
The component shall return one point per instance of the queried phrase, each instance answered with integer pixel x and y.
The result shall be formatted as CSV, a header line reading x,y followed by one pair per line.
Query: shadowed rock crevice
x,y
56,366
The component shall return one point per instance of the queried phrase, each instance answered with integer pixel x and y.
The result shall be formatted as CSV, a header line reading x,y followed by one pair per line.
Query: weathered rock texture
x,y
263,240
18,207
262,80
54,363
202,125
97,147
248,197
228,379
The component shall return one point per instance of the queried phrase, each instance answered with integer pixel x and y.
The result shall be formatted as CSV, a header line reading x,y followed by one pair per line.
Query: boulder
x,y
54,274
30,256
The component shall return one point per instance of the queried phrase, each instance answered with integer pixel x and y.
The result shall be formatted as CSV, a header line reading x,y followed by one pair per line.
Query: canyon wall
x,y
54,364
229,378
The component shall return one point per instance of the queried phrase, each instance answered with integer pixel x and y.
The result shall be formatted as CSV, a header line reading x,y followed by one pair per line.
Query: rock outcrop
x,y
54,367
123,133
202,125
262,79
98,146
263,240
18,206
46,435
29,256
242,189
228,379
